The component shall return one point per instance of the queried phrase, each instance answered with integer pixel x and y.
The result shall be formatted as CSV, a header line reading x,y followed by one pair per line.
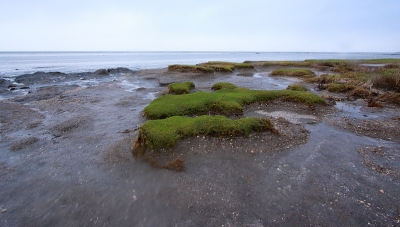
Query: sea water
x,y
13,64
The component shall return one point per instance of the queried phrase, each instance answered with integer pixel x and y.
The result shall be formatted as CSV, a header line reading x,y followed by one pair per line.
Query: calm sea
x,y
16,63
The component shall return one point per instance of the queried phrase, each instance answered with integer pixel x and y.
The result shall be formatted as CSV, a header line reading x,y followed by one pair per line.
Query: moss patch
x,y
233,65
223,85
336,87
180,88
293,72
225,102
287,63
211,67
381,61
190,68
165,133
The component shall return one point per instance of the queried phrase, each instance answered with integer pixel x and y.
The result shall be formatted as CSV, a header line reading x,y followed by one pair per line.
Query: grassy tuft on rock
x,y
165,133
336,87
293,72
223,85
226,102
180,88
287,63
190,68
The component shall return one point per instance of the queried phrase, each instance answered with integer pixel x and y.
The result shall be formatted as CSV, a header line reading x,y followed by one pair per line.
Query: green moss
x,y
297,87
225,66
328,62
223,85
354,78
381,61
226,102
180,88
210,67
157,134
222,68
293,72
218,63
243,66
287,63
335,87
190,68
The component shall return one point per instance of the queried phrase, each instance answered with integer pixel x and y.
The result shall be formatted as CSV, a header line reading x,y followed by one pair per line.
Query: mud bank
x,y
65,160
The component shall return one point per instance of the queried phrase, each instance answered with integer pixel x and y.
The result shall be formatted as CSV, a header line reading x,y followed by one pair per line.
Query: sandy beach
x,y
66,158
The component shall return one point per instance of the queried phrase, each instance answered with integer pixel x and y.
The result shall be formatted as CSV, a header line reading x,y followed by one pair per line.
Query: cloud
x,y
200,25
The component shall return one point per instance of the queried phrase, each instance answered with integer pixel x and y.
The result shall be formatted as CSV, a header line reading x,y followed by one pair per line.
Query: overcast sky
x,y
207,25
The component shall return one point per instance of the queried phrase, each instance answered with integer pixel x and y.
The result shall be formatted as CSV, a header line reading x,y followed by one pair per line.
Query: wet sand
x,y
66,161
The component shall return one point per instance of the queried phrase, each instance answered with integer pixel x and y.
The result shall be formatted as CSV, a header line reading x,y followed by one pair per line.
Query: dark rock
x,y
4,82
102,72
41,77
25,88
120,70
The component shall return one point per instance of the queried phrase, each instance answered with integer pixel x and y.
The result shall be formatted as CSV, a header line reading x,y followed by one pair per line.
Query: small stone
x,y
381,191
3,210
362,202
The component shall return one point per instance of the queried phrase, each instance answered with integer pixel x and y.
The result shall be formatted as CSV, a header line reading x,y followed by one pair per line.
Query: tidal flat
x,y
66,150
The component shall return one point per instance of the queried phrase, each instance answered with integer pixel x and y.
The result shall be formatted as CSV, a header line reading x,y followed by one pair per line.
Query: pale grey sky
x,y
207,25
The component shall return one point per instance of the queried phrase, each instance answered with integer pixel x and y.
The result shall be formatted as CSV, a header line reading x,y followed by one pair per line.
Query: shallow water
x,y
348,107
89,175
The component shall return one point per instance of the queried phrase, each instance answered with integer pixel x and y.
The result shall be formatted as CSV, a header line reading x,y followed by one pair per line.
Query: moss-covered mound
x,y
223,85
211,67
180,88
190,68
336,87
226,102
165,133
287,63
293,72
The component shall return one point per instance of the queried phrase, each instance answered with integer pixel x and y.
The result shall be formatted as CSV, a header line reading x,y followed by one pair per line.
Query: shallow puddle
x,y
245,74
289,116
348,107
